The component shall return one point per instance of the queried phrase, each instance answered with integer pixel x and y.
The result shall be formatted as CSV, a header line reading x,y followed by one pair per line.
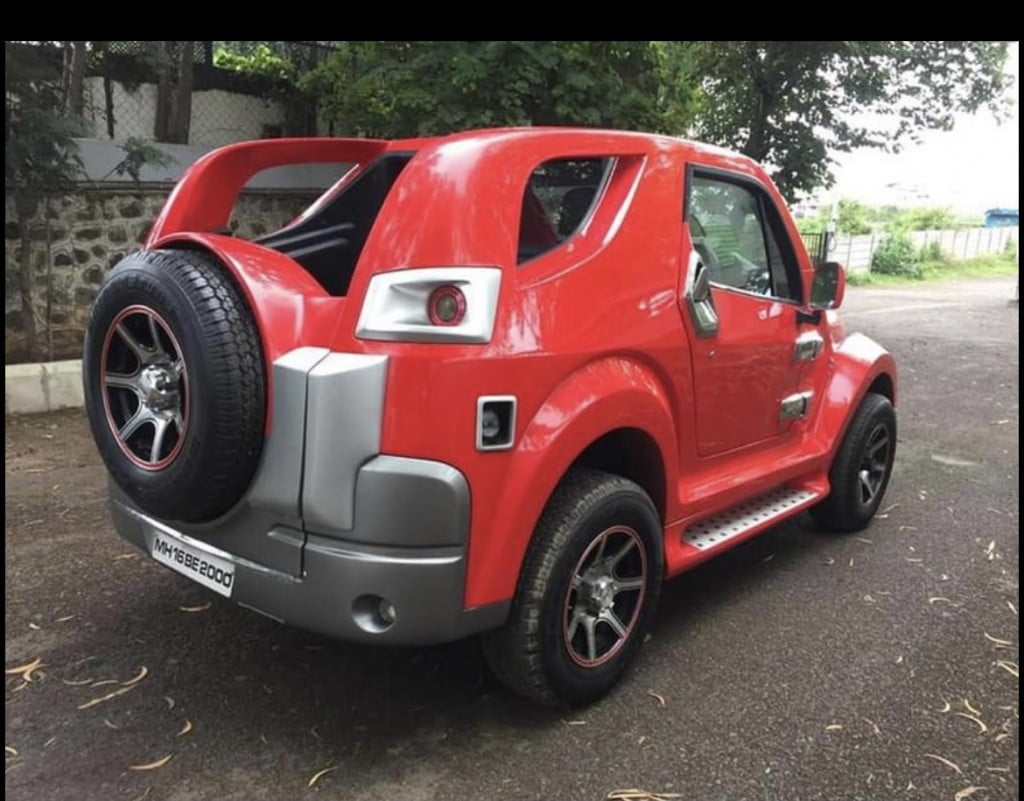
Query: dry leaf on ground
x,y
25,671
320,774
945,762
152,765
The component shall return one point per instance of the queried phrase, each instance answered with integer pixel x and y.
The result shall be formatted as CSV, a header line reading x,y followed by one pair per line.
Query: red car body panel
x,y
591,337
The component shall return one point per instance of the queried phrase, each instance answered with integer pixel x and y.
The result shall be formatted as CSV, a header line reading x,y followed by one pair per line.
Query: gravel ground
x,y
797,666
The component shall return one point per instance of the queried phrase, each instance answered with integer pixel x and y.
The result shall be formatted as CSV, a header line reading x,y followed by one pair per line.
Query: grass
x,y
982,267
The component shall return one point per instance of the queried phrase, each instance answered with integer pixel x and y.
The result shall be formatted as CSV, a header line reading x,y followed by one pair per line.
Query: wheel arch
x,y
861,366
612,401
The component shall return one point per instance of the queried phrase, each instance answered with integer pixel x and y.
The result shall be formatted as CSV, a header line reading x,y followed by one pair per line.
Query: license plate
x,y
204,568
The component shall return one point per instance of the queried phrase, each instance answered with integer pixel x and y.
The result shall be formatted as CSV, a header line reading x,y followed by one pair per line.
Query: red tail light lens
x,y
446,305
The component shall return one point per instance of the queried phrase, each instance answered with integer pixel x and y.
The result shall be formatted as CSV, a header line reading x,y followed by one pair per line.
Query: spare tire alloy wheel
x,y
175,384
145,387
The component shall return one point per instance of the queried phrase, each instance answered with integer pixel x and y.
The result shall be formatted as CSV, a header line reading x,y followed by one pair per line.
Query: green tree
x,y
396,89
791,104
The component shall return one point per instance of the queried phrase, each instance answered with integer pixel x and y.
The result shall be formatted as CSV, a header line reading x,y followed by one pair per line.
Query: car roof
x,y
484,135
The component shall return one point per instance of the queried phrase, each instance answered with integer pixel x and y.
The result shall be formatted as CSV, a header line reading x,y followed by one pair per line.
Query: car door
x,y
741,295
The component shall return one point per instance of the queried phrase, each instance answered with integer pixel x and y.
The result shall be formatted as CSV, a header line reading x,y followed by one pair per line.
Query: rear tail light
x,y
431,304
447,305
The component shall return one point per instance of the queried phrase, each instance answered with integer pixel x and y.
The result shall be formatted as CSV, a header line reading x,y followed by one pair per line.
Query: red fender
x,y
619,390
858,361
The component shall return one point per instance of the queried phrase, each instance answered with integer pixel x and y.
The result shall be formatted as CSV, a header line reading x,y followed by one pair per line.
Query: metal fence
x,y
123,98
855,252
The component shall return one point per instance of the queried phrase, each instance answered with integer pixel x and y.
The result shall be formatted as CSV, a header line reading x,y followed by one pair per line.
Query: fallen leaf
x,y
908,528
946,762
865,539
170,701
25,671
834,727
946,707
186,728
1009,667
124,556
899,659
79,683
874,726
152,765
970,708
110,725
890,508
144,794
143,672
996,640
659,698
33,626
49,742
641,740
768,558
912,559
1012,607
65,618
575,723
639,795
938,599
998,770
966,793
200,608
830,561
104,682
11,751
974,720
320,774
106,697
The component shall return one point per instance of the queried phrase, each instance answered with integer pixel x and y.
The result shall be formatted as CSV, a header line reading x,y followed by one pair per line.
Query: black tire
x,y
217,435
531,654
847,508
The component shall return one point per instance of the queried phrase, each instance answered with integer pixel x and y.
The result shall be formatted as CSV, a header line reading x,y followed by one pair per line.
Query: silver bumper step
x,y
777,504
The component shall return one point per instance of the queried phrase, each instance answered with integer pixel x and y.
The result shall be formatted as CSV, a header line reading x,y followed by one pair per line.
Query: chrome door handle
x,y
808,346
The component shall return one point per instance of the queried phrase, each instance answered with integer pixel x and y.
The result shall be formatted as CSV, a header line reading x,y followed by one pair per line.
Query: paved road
x,y
799,666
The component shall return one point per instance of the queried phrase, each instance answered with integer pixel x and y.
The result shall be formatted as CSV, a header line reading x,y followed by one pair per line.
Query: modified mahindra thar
x,y
503,382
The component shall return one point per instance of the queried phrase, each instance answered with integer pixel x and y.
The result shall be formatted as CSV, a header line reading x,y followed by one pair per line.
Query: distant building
x,y
1002,218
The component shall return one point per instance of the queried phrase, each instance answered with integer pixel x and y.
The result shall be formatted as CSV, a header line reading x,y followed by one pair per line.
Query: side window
x,y
737,244
558,198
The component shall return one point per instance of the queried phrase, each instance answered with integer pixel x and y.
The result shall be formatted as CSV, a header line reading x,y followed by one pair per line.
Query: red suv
x,y
503,381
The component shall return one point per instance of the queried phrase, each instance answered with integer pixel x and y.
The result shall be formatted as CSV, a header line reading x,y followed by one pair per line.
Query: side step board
x,y
755,513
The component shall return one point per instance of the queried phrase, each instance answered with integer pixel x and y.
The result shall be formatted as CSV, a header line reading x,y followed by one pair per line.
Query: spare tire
x,y
175,384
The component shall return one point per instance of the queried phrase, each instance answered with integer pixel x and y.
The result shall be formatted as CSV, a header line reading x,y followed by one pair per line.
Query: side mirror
x,y
829,286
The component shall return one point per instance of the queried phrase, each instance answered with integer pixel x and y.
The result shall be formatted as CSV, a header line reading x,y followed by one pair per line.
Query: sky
x,y
971,168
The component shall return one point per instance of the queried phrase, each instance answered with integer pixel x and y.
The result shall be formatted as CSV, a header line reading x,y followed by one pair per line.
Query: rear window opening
x,y
328,243
560,196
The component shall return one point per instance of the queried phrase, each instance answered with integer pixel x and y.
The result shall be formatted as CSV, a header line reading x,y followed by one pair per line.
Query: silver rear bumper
x,y
329,527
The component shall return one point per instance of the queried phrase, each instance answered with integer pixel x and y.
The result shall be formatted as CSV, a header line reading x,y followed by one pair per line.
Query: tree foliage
x,y
397,89
792,104
855,217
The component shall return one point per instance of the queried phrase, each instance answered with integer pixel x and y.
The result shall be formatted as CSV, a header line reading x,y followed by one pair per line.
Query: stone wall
x,y
75,239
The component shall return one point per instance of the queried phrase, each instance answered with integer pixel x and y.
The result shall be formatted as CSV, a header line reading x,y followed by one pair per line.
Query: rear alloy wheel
x,y
175,383
588,589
